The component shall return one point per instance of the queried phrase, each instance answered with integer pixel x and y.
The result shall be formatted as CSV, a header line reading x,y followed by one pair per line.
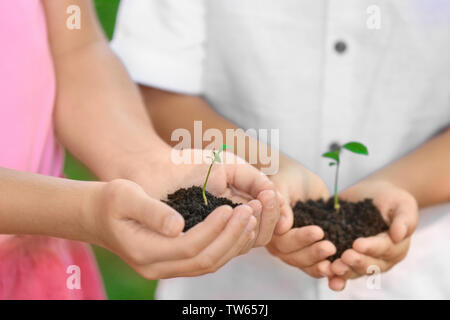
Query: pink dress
x,y
34,267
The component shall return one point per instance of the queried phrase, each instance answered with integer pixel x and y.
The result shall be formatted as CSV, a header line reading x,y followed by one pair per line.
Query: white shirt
x,y
274,64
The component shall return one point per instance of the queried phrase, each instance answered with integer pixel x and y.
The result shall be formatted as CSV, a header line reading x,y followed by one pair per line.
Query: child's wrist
x,y
90,209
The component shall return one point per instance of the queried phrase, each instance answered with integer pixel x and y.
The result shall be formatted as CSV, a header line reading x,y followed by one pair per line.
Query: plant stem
x,y
204,185
336,199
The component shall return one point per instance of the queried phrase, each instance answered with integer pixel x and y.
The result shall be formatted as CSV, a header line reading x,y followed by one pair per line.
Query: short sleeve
x,y
161,43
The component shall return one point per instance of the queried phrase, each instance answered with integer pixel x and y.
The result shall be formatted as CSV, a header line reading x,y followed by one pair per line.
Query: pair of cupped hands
x,y
148,234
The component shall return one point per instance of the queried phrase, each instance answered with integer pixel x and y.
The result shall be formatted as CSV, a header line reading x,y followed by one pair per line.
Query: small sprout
x,y
355,147
214,159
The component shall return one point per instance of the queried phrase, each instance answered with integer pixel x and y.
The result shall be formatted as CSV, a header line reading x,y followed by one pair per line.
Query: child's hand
x,y
400,211
300,247
233,178
147,233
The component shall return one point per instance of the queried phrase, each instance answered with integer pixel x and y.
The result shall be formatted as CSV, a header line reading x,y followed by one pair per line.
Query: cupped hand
x,y
233,178
147,233
400,211
300,247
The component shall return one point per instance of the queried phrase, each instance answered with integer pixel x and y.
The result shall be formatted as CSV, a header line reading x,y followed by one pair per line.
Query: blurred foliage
x,y
121,282
107,11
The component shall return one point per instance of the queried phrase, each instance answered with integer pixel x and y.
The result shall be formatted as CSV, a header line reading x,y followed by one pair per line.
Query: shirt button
x,y
340,46
333,146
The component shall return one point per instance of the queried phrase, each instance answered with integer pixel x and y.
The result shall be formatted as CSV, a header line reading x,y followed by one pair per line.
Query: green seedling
x,y
214,159
355,147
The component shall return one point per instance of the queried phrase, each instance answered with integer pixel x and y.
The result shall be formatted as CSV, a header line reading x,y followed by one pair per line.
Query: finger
x,y
158,217
191,243
404,222
241,222
246,238
286,220
281,199
336,283
350,275
245,177
397,252
297,239
320,270
310,255
257,209
375,246
269,217
361,264
339,268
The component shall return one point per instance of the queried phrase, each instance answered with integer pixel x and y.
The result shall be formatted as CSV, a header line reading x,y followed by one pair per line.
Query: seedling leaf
x,y
332,155
356,147
217,157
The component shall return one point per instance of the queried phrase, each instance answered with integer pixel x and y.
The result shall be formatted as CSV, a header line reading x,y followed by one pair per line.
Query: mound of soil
x,y
190,204
352,221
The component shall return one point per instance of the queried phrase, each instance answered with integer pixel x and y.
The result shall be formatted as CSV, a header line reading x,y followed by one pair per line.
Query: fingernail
x,y
271,202
170,224
256,207
227,213
257,212
362,248
245,214
341,273
355,262
251,224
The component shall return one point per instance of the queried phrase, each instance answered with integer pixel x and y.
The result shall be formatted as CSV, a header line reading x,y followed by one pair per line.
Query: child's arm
x,y
424,173
420,179
99,114
121,217
37,204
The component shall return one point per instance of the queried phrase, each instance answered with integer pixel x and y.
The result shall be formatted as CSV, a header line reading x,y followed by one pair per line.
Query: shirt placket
x,y
337,85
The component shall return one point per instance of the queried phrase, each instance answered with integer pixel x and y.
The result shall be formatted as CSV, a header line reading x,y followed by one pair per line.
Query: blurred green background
x,y
121,282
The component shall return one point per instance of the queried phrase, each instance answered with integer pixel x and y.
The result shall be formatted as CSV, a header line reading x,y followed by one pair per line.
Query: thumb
x,y
404,222
286,216
159,217
244,177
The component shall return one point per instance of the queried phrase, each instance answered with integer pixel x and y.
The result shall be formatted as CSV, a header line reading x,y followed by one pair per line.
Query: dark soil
x,y
352,221
189,202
